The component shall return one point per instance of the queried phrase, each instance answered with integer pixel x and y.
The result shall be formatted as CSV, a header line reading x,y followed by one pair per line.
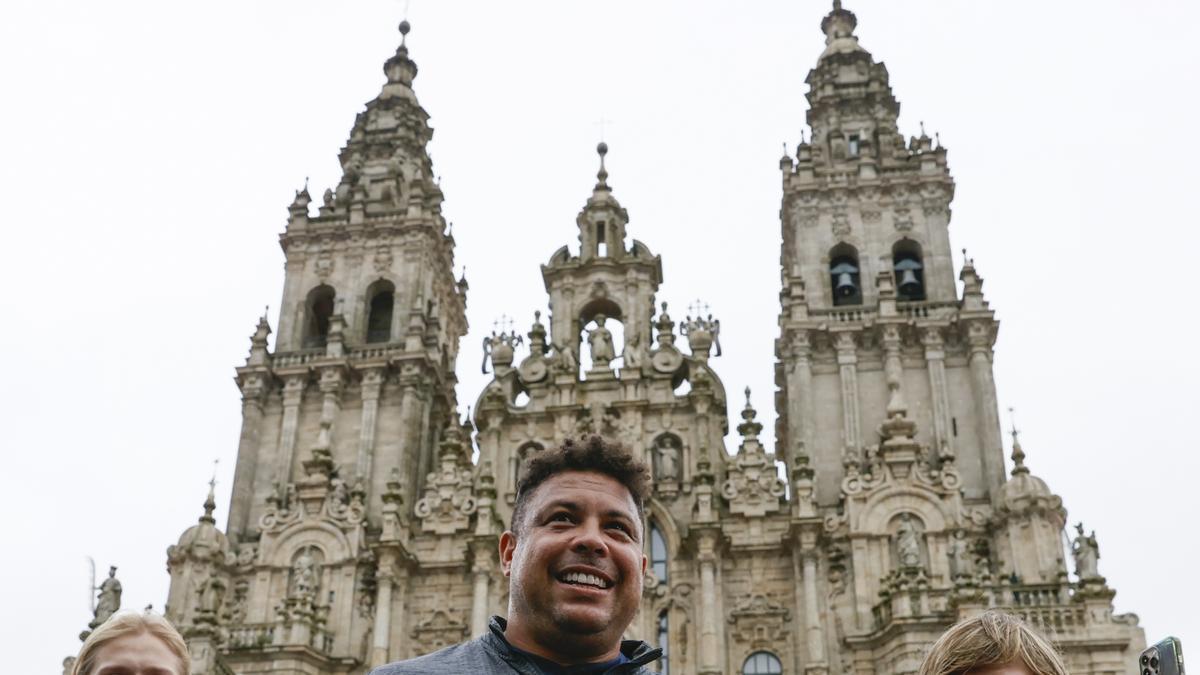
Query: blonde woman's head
x,y
129,642
993,643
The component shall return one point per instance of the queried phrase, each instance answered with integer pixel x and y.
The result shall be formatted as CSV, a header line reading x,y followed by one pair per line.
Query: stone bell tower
x,y
634,394
342,422
887,401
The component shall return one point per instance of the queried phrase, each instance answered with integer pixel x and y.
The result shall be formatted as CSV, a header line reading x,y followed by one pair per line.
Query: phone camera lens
x,y
1145,660
1146,671
1154,663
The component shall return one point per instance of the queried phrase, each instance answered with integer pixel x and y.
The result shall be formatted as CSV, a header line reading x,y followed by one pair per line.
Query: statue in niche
x,y
108,601
1086,551
961,564
304,576
668,458
600,340
634,352
908,543
212,596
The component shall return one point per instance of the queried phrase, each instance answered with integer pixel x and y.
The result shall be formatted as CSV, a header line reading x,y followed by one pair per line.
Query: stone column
x,y
293,394
935,355
479,599
254,389
990,446
800,413
410,454
815,629
372,384
381,632
847,357
710,660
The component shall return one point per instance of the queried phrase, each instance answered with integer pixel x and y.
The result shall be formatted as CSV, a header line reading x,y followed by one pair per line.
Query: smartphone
x,y
1164,658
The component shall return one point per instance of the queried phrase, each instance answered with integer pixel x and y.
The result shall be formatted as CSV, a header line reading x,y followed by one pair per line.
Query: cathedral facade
x,y
361,531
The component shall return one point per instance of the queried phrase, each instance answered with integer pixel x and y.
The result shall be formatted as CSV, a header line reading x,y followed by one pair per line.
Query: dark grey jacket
x,y
491,653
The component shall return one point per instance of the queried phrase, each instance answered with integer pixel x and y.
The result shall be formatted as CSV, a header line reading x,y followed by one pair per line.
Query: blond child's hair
x,y
124,624
991,639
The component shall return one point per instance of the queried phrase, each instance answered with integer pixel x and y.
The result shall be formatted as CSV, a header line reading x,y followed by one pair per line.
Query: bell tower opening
x,y
318,308
845,277
382,296
909,270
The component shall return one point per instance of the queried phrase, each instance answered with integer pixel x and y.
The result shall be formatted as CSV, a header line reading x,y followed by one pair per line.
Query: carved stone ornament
x,y
759,622
324,266
383,259
438,629
449,497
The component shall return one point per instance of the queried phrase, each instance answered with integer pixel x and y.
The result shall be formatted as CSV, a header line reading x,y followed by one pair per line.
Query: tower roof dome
x,y
204,537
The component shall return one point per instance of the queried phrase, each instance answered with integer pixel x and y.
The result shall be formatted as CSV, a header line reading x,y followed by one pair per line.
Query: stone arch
x,y
908,266
845,274
516,464
317,311
880,508
332,542
658,512
379,310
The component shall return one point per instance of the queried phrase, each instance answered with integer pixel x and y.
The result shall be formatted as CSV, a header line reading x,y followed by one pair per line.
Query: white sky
x,y
148,152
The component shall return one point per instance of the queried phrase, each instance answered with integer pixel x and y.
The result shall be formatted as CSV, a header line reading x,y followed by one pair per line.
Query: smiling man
x,y
574,560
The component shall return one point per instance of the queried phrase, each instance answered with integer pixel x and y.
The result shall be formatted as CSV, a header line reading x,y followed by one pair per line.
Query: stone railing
x,y
251,635
1048,607
305,357
259,635
926,310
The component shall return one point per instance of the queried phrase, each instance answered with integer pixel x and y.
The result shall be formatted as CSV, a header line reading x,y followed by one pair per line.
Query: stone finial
x,y
839,23
1018,455
400,69
602,174
749,427
210,502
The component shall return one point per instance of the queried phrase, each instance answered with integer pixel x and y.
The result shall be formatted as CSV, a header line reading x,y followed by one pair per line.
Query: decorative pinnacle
x,y
210,502
602,174
1018,455
405,26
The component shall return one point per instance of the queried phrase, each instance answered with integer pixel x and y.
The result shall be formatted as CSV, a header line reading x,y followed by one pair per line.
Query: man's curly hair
x,y
593,453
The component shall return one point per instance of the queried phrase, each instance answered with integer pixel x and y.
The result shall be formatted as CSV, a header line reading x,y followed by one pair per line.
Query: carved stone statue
x,y
600,340
668,459
908,543
961,564
1086,551
304,576
634,352
566,362
109,599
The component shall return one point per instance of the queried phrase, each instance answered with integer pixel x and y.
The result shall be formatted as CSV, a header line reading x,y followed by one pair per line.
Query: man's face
x,y
576,567
141,654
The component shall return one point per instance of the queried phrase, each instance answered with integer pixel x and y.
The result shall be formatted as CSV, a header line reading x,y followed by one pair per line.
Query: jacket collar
x,y
638,652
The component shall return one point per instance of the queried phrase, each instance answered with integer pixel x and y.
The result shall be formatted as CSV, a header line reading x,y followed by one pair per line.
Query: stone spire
x,y
602,221
852,111
210,502
1018,455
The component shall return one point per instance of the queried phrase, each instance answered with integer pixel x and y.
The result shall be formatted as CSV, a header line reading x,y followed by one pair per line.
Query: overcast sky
x,y
148,152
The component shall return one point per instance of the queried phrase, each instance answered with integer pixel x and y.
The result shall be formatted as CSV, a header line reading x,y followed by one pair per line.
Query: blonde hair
x,y
991,639
125,624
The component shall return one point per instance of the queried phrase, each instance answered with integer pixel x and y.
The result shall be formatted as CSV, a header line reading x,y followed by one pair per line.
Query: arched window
x,y
663,639
762,663
658,553
382,296
844,275
909,270
318,308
